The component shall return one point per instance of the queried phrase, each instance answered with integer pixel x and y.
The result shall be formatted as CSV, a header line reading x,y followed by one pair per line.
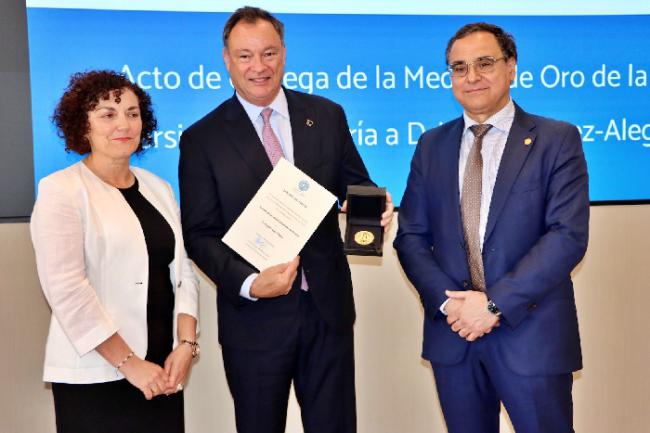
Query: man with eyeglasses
x,y
292,322
494,219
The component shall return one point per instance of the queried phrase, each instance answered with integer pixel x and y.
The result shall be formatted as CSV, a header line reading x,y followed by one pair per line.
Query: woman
x,y
113,268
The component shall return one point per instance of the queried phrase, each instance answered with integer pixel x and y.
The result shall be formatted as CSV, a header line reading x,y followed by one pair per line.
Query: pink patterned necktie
x,y
470,206
269,139
274,152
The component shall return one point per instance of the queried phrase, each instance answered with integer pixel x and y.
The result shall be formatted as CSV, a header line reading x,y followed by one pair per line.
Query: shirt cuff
x,y
442,307
245,291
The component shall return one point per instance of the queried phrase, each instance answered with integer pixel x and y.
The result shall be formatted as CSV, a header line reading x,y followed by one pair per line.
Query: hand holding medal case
x,y
364,235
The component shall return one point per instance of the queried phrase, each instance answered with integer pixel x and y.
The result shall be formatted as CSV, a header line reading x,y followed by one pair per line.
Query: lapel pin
x,y
309,123
528,141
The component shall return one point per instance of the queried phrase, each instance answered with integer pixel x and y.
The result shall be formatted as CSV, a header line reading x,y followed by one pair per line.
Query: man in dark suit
x,y
294,321
494,219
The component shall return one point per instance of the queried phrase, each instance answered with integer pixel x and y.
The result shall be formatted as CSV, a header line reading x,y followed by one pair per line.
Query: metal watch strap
x,y
492,308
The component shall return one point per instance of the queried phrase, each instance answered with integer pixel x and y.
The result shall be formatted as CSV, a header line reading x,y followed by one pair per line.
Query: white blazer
x,y
93,266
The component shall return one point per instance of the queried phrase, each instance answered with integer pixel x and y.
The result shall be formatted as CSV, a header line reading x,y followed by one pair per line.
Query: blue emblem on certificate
x,y
259,241
303,185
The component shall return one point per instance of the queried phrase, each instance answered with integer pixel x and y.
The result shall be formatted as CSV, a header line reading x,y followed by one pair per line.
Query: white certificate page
x,y
281,217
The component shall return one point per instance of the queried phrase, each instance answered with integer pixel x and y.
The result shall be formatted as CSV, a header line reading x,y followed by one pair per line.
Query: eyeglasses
x,y
481,65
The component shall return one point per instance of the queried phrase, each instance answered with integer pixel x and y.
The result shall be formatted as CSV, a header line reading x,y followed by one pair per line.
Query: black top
x,y
160,300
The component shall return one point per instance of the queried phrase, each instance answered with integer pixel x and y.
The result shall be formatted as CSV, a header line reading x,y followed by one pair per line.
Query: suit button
x,y
532,306
465,284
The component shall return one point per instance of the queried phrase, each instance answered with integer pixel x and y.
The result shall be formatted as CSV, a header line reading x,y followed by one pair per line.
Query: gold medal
x,y
364,237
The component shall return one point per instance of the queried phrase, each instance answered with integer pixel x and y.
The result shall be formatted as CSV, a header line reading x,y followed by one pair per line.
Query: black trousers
x,y
113,407
319,361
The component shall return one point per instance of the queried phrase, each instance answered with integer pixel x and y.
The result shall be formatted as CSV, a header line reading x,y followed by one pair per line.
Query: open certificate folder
x,y
280,218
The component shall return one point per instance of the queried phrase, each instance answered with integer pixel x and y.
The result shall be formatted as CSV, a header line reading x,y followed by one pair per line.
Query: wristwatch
x,y
196,349
492,308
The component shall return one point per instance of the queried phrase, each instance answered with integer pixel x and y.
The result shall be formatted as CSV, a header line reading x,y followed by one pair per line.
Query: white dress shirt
x,y
281,125
280,121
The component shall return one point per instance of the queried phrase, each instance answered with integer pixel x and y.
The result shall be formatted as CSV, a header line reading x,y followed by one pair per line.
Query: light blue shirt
x,y
494,143
281,125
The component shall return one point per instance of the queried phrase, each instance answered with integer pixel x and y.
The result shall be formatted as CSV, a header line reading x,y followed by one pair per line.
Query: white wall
x,y
395,389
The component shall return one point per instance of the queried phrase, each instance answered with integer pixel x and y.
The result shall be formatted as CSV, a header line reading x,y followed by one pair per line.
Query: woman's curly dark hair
x,y
83,94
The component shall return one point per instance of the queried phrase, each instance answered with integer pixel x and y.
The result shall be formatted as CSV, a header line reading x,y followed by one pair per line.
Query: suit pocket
x,y
526,185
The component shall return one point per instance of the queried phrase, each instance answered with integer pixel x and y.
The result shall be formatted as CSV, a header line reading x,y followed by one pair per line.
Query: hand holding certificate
x,y
280,218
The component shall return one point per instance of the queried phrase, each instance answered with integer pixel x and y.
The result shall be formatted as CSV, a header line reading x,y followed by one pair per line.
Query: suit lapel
x,y
518,145
451,152
246,141
304,131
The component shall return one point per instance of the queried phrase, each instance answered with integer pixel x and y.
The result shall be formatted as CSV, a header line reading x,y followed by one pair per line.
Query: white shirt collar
x,y
501,120
279,105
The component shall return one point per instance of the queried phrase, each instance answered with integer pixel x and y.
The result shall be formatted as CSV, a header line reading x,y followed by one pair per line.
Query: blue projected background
x,y
387,71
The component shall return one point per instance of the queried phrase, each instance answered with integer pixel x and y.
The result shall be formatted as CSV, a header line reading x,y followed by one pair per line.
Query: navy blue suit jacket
x,y
536,233
222,165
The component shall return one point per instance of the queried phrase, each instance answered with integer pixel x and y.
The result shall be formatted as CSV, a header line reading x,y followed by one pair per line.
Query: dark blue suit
x,y
536,233
302,337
